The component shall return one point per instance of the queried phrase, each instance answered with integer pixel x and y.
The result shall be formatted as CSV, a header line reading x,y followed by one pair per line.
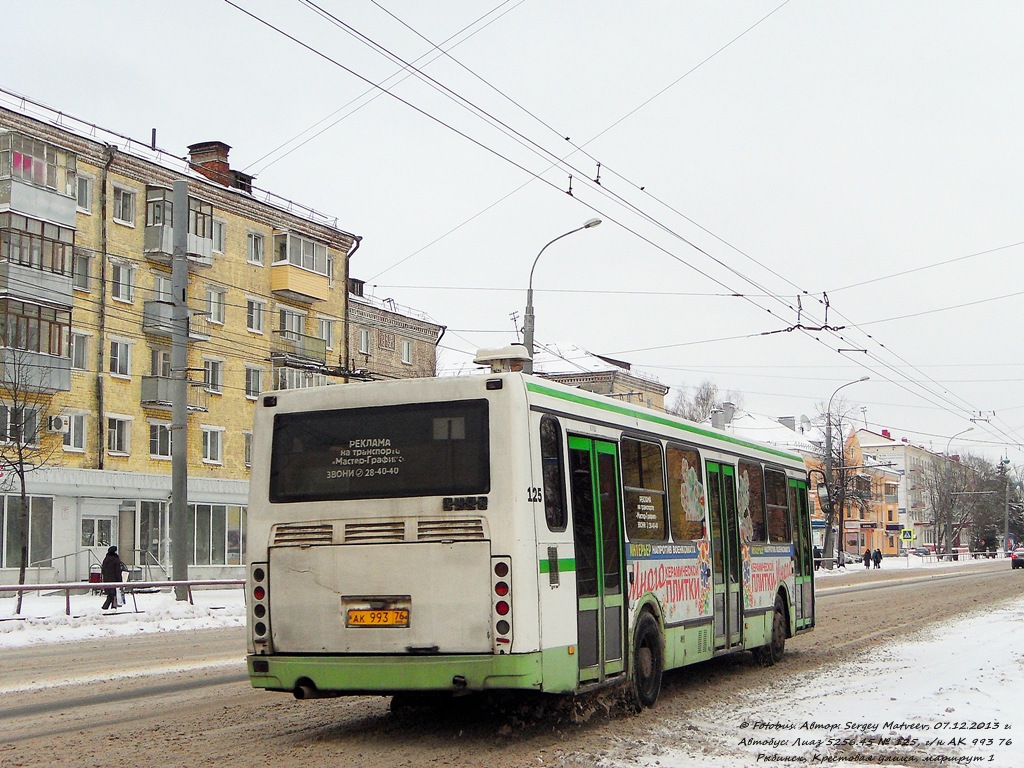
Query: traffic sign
x,y
907,534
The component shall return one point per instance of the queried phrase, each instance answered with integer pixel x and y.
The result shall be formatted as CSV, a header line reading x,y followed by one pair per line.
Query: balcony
x,y
158,244
297,284
158,320
34,371
42,284
157,393
296,350
20,196
296,378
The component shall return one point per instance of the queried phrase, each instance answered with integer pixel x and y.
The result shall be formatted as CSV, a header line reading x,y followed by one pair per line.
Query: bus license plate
x,y
357,617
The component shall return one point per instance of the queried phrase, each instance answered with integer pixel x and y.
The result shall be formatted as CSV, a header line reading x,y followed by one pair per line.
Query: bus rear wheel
x,y
648,662
771,653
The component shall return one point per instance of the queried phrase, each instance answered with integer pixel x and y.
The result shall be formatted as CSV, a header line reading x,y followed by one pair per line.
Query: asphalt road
x,y
181,698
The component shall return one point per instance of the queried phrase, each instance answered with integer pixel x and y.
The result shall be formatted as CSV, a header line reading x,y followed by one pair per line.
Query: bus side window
x,y
643,490
778,505
552,463
751,502
685,493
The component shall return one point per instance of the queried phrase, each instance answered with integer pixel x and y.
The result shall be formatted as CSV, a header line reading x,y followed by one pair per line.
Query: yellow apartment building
x,y
86,219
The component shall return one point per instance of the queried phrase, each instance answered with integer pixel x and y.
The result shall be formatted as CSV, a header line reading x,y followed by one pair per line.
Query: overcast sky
x,y
749,152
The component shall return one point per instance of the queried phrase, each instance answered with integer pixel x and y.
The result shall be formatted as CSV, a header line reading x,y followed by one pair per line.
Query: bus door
x,y
803,554
725,554
600,611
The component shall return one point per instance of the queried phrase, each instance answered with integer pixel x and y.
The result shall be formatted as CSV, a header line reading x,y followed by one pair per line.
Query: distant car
x,y
921,551
1017,558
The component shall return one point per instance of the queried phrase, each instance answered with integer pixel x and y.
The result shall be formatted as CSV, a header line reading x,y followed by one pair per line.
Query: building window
x,y
247,440
220,229
35,243
327,331
162,288
19,425
159,207
38,163
300,252
254,315
200,219
253,381
119,431
219,534
124,206
85,194
120,358
364,341
80,351
213,375
215,302
80,270
212,439
40,529
254,248
159,441
161,362
407,352
35,328
122,281
292,324
74,438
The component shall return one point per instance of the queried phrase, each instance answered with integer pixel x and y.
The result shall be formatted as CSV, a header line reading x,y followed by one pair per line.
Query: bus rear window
x,y
420,449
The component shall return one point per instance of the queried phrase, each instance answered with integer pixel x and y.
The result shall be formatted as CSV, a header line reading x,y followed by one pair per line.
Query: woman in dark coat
x,y
867,558
111,569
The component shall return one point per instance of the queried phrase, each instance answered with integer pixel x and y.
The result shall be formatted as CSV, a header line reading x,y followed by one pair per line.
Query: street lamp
x,y
841,546
947,532
528,317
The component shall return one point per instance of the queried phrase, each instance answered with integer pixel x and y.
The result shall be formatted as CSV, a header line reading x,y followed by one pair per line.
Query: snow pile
x,y
43,619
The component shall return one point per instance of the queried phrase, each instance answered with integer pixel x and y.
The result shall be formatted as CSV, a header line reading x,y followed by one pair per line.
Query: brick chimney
x,y
210,158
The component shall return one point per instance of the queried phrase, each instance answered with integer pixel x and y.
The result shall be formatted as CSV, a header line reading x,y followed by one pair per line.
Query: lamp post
x,y
947,528
841,545
528,319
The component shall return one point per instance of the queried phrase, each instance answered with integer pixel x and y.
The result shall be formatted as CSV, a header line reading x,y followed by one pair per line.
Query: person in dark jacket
x,y
867,558
111,569
876,558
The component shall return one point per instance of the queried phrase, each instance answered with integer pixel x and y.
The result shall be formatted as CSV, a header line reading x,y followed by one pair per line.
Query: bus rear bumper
x,y
355,675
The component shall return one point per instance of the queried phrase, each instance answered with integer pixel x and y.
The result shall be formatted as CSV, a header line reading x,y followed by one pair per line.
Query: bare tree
x,y
25,399
955,488
705,399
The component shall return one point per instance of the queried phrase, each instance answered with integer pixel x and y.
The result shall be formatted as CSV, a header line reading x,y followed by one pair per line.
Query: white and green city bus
x,y
503,532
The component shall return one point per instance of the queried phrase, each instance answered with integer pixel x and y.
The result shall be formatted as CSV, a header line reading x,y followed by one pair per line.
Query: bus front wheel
x,y
770,653
648,662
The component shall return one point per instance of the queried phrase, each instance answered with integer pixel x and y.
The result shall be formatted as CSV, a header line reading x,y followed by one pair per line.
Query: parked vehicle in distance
x,y
1017,558
921,551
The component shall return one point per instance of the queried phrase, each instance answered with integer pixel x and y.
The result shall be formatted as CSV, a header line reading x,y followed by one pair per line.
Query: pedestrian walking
x,y
867,558
817,558
876,558
110,570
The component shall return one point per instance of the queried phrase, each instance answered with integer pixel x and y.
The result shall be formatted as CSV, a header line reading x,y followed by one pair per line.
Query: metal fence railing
x,y
129,587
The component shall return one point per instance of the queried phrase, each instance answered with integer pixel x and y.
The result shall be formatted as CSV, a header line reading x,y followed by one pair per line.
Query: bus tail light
x,y
257,597
501,603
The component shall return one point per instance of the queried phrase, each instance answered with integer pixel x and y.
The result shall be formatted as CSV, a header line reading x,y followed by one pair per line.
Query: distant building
x,y
575,367
388,341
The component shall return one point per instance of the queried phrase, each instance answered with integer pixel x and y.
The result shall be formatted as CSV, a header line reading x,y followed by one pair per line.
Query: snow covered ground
x,y
958,703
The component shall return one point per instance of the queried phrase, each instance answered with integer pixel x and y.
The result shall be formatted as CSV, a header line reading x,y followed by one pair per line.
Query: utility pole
x,y
179,389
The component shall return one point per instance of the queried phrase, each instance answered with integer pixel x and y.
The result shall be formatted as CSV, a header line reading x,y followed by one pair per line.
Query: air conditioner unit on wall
x,y
58,425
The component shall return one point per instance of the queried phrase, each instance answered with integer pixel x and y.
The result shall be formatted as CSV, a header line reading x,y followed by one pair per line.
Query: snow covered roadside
x,y
43,619
949,696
